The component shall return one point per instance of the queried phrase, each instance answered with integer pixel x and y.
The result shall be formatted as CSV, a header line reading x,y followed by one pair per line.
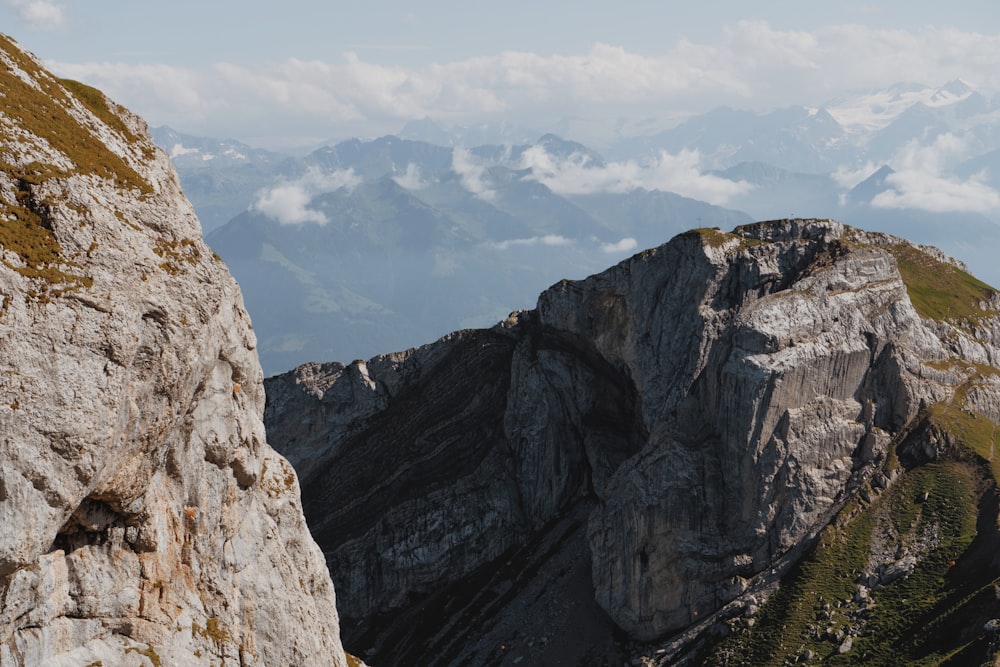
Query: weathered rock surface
x,y
715,401
144,520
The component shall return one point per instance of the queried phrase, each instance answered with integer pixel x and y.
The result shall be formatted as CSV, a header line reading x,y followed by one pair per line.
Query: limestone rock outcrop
x,y
711,403
144,520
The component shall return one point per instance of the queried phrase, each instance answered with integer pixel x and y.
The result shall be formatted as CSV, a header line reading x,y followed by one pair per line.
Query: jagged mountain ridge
x,y
678,429
144,519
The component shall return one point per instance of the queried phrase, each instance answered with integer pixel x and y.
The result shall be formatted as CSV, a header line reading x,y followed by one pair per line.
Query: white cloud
x,y
921,180
410,179
40,14
627,244
678,173
751,62
471,173
288,203
623,246
547,240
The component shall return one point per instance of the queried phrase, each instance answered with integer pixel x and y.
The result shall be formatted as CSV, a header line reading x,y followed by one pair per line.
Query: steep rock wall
x,y
145,519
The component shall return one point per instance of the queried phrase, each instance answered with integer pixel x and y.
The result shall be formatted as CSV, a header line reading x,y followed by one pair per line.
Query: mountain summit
x,y
783,434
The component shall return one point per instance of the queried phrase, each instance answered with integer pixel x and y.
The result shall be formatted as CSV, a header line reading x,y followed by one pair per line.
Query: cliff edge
x,y
144,519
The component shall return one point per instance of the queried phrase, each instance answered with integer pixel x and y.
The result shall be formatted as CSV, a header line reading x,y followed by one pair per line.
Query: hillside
x,y
630,470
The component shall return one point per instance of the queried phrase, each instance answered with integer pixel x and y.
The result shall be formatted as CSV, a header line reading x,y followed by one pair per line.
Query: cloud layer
x,y
678,173
576,174
40,14
752,64
921,180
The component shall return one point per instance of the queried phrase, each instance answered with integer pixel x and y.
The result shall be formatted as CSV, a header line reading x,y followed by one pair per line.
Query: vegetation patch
x,y
213,630
96,101
818,608
176,253
25,232
971,429
278,482
941,291
352,661
710,236
43,114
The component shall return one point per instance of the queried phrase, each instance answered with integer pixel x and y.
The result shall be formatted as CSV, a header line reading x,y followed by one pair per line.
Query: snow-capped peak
x,y
874,110
179,149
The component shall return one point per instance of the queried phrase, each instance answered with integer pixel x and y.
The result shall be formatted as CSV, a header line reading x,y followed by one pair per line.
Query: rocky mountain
x,y
767,446
144,520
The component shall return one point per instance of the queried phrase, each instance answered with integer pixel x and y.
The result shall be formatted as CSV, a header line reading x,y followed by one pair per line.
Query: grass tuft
x,y
941,291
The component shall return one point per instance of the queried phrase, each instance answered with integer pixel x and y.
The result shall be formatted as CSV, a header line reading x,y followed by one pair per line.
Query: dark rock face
x,y
704,408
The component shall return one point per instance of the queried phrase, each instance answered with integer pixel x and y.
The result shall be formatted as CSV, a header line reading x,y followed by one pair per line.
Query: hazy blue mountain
x,y
917,121
385,155
558,147
411,249
649,216
779,193
869,126
864,192
797,138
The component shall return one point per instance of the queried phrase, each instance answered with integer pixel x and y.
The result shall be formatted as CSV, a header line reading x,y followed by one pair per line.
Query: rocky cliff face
x,y
145,520
686,423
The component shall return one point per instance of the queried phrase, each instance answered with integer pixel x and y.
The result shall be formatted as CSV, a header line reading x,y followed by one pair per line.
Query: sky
x,y
299,74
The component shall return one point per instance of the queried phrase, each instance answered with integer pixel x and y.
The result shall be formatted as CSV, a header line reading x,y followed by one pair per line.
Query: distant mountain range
x,y
395,249
367,246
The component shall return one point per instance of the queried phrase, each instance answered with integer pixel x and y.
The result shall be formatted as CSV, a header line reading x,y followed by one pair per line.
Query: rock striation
x,y
701,411
144,520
